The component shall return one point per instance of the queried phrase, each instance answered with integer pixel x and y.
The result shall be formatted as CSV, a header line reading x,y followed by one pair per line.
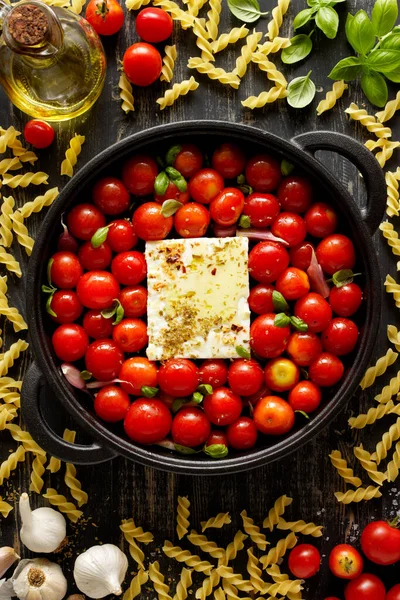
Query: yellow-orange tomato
x,y
281,374
273,416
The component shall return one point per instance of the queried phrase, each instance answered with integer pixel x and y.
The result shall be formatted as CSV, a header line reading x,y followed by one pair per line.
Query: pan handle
x,y
363,159
34,389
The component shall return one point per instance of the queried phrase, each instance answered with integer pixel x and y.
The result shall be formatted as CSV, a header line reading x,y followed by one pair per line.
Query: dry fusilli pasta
x,y
387,441
231,591
63,505
11,463
178,89
266,65
253,531
219,594
332,97
185,18
235,579
167,71
236,34
217,522
77,6
7,138
389,390
5,508
21,232
208,585
386,149
358,495
6,234
392,287
392,186
71,155
135,587
19,435
213,17
254,572
195,6
128,526
191,560
9,262
125,93
369,465
184,584
392,237
38,469
273,46
136,4
275,93
157,578
39,203
75,485
235,546
10,312
25,179
54,465
392,471
202,41
389,110
11,355
205,544
284,588
276,512
380,367
182,516
277,552
394,336
277,18
246,53
368,121
212,72
7,414
10,164
300,527
374,414
134,550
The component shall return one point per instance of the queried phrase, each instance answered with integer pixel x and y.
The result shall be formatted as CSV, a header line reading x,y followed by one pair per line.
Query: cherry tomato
x,y
149,223
260,299
345,562
153,25
332,598
217,437
130,335
393,593
213,372
242,434
111,404
300,256
222,407
228,160
190,427
142,64
304,348
109,194
245,377
192,220
104,359
321,220
70,342
172,193
289,227
293,283
295,194
38,133
346,300
148,421
227,207
281,374
136,373
129,268
380,543
105,16
134,301
84,220
66,305
178,377
304,561
97,289
326,370
95,259
340,337
266,339
263,173
262,209
336,252
188,161
139,174
273,416
365,587
65,270
305,396
205,185
267,260
121,236
315,311
97,326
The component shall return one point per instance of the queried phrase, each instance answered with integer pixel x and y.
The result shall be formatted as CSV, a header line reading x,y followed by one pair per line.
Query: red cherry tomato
x,y
266,339
281,374
134,301
346,300
267,260
172,193
262,209
188,161
222,407
228,160
380,543
104,359
345,562
121,236
300,256
38,133
66,305
97,326
105,16
149,223
321,220
260,299
214,372
393,593
332,598
84,220
336,252
205,185
304,561
139,174
227,207
111,404
263,173
305,396
153,25
110,195
70,342
365,587
97,289
130,335
304,348
242,434
217,437
178,377
340,337
148,421
295,194
65,270
327,370
136,373
129,268
289,227
192,220
293,283
245,377
273,416
315,311
142,64
190,427
95,259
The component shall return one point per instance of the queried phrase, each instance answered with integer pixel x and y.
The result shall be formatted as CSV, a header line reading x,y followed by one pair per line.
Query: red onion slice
x,y
73,376
316,276
260,234
221,232
168,444
93,385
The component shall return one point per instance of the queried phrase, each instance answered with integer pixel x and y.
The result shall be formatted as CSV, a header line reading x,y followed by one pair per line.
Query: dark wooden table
x,y
121,489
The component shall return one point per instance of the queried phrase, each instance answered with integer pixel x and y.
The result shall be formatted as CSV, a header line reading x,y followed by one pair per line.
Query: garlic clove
x,y
100,571
43,530
8,556
6,589
39,579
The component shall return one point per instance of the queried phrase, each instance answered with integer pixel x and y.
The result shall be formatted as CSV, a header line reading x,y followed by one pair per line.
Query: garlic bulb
x,y
42,529
8,556
39,579
6,589
100,571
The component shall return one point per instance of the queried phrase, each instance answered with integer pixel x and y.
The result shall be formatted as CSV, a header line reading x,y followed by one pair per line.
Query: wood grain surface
x,y
121,489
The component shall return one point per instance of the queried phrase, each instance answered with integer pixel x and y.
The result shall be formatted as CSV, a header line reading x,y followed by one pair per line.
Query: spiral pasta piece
x,y
19,435
21,231
9,262
77,6
134,550
387,441
182,516
11,355
390,390
278,551
254,572
284,588
392,237
275,93
386,149
380,367
369,465
368,121
208,585
276,512
216,522
136,4
7,414
5,508
10,382
277,18
9,397
195,6
167,71
213,16
272,72
393,198
234,579
38,469
25,179
7,138
10,137
235,546
253,531
11,463
125,93
74,485
219,594
11,313
10,164
394,336
178,89
54,465
273,46
246,53
392,287
389,110
39,203
233,36
157,578
183,17
184,584
300,527
57,3
212,72
135,587
373,415
191,560
358,495
6,233
332,97
129,526
202,41
393,467
71,155
68,508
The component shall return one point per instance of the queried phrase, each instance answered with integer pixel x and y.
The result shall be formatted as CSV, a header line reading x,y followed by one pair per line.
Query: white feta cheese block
x,y
198,293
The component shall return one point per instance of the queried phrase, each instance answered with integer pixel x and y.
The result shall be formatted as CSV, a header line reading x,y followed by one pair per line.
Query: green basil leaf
x,y
384,16
343,277
161,183
242,352
348,68
181,184
177,404
173,173
393,76
205,389
184,449
327,20
300,47
298,324
99,237
383,60
86,375
172,153
279,302
197,398
241,179
49,310
149,392
374,86
246,189
301,91
245,10
49,265
107,313
391,42
360,32
216,450
119,313
302,412
244,222
286,167
170,207
303,17
281,320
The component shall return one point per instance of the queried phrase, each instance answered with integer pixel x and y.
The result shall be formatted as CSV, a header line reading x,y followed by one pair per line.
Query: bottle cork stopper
x,y
28,24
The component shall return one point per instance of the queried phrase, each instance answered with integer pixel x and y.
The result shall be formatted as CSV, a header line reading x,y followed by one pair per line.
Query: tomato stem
x,y
102,9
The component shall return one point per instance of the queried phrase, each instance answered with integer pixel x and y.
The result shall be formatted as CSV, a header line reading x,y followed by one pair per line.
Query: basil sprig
x,y
246,10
